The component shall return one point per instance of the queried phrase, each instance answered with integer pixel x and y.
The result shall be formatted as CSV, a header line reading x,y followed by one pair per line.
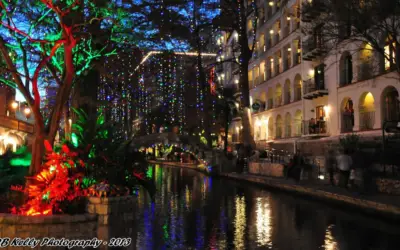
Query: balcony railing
x,y
15,124
364,71
367,120
312,90
313,10
315,127
313,47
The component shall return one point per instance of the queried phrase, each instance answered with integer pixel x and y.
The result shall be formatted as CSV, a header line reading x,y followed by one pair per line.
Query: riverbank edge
x,y
199,168
369,207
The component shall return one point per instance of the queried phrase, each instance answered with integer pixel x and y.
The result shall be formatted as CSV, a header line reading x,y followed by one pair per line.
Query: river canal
x,y
193,211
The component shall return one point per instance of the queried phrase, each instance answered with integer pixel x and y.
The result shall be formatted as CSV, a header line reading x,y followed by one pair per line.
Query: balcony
x,y
277,38
313,47
287,64
15,124
285,31
313,128
365,72
235,69
312,90
313,10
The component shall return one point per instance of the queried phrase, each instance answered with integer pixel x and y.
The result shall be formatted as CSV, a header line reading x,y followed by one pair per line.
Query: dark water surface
x,y
193,211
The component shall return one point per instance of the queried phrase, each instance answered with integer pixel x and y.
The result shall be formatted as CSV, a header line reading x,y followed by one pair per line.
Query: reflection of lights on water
x,y
240,222
330,242
263,222
187,197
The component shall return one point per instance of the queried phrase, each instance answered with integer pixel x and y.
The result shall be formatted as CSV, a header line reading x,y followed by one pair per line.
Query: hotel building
x,y
301,93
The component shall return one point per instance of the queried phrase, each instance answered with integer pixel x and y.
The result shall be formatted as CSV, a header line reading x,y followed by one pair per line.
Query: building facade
x,y
299,91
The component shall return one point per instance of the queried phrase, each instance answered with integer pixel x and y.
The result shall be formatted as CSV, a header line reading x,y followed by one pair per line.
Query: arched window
x,y
346,69
287,92
288,125
279,124
298,121
390,104
297,88
278,95
347,115
367,111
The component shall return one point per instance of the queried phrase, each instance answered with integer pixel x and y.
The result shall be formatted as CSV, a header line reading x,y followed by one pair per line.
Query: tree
x,y
234,17
371,25
227,108
50,41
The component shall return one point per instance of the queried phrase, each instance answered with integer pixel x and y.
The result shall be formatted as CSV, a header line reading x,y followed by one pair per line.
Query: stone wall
x,y
115,214
388,186
266,169
83,226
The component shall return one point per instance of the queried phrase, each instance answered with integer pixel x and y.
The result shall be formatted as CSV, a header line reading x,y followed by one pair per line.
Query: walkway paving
x,y
387,205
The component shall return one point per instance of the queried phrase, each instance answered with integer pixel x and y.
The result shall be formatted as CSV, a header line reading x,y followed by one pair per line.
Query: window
x,y
320,113
319,77
390,54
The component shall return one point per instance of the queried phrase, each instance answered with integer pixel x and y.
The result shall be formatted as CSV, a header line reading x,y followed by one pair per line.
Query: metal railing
x,y
315,127
310,86
16,124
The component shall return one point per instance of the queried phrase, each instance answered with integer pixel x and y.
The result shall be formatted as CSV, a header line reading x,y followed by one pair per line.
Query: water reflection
x,y
240,222
263,221
330,242
192,211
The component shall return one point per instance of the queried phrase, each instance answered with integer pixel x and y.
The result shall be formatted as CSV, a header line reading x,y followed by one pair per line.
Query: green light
x,y
74,140
24,161
149,172
46,196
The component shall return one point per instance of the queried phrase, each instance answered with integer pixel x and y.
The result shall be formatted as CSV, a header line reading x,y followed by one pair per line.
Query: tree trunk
x,y
245,56
37,148
206,92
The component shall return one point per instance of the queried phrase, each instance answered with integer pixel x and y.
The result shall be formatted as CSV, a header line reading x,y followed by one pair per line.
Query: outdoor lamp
x,y
14,105
27,111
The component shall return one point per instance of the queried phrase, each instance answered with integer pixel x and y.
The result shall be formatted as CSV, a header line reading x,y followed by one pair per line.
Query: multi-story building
x,y
299,92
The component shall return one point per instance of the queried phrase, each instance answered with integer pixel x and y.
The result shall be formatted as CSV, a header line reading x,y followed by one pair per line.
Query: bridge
x,y
188,143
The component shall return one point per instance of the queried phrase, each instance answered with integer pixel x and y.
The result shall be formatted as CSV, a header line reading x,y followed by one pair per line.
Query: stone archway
x,y
279,127
390,104
298,123
287,90
347,115
270,135
367,111
288,125
297,85
278,95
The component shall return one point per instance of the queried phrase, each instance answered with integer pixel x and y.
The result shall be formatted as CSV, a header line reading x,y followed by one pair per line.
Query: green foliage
x,y
106,158
350,142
